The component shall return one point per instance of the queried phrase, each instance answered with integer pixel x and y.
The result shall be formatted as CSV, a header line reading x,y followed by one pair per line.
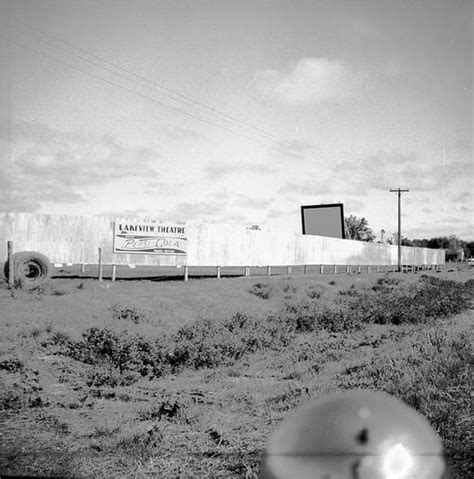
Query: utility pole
x,y
399,191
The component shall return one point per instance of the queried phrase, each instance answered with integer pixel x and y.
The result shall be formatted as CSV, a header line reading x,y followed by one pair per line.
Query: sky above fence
x,y
239,111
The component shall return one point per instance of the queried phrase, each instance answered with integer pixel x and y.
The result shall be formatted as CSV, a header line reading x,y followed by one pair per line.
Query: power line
x,y
262,134
50,57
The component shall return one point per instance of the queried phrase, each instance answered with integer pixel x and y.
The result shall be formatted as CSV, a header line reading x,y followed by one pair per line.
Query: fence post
x,y
83,268
100,264
288,270
114,270
269,270
335,269
11,269
304,269
186,273
321,269
359,269
247,271
218,271
348,269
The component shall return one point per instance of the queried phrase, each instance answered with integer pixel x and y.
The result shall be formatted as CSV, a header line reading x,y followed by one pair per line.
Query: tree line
x,y
358,229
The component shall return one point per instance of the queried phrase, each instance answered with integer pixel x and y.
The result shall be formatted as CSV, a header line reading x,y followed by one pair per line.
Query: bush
x,y
314,316
387,302
261,290
128,313
12,365
170,409
209,343
12,400
314,292
123,352
104,375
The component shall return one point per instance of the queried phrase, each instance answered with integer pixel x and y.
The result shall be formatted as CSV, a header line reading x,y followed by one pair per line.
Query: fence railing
x,y
116,272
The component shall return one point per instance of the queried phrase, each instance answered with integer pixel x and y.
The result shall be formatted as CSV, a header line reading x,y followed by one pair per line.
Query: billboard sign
x,y
139,236
323,220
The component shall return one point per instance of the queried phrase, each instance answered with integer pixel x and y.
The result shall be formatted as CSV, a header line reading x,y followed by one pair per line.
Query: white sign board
x,y
149,237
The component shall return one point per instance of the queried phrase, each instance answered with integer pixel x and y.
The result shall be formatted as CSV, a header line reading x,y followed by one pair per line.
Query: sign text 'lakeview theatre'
x,y
149,237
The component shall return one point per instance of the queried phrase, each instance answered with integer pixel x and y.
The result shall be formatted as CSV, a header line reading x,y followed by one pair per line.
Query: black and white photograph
x,y
236,239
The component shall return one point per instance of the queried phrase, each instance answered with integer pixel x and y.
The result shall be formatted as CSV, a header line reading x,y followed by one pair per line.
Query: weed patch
x,y
128,313
12,365
140,446
434,379
209,343
386,302
261,290
170,409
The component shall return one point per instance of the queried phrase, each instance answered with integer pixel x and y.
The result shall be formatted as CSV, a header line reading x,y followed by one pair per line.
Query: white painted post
x,y
335,269
100,264
269,270
288,270
378,268
218,271
247,271
321,269
11,269
186,273
114,270
83,268
359,269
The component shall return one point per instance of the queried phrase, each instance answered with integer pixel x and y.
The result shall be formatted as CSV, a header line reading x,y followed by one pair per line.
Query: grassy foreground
x,y
174,379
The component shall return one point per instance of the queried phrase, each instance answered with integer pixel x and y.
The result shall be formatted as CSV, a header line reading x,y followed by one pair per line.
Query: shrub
x,y
103,375
11,400
387,302
314,292
12,365
123,352
261,290
313,316
128,313
170,409
208,343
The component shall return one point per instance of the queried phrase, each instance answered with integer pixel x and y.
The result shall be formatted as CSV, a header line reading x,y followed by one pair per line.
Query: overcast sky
x,y
239,111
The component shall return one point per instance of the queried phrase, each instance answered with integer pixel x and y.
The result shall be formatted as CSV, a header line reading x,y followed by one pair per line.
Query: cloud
x,y
194,210
251,202
179,133
386,170
308,81
216,171
464,197
46,165
306,188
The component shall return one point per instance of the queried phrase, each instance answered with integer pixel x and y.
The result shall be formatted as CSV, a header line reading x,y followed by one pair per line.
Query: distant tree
x,y
456,248
358,229
470,249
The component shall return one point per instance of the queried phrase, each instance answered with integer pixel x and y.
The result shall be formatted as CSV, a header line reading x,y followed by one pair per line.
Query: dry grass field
x,y
188,379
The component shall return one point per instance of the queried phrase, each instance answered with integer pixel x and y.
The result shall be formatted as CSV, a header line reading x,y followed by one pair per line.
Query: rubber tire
x,y
30,269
